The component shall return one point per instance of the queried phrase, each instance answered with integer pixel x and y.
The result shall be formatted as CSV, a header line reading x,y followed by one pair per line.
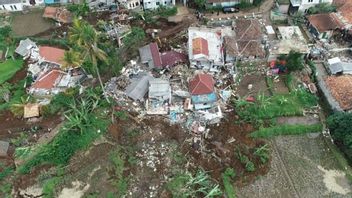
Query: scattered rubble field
x,y
301,166
30,24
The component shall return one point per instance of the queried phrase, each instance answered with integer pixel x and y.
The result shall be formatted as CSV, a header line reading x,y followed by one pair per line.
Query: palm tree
x,y
72,59
86,37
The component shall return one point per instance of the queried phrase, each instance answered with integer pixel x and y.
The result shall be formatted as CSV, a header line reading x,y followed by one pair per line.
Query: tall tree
x,y
86,38
294,61
72,59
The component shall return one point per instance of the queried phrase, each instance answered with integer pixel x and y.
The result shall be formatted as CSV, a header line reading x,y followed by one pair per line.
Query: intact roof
x,y
325,22
341,89
31,110
52,54
247,39
150,54
201,84
2,2
171,58
47,80
200,46
346,11
23,48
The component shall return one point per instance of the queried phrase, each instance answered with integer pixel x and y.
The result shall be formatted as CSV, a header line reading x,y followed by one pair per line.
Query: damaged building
x,y
159,97
202,91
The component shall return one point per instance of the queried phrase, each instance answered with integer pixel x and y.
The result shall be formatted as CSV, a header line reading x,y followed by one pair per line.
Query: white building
x,y
153,4
131,4
205,47
304,5
18,5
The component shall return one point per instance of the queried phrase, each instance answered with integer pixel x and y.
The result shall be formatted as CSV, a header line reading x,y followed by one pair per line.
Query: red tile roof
x,y
171,58
52,54
155,54
346,11
324,22
47,80
200,46
201,84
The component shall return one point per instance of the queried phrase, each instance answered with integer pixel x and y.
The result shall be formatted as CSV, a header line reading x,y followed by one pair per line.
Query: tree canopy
x,y
294,61
341,131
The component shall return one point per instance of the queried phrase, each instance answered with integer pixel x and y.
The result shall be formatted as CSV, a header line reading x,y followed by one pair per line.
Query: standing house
x,y
154,4
202,92
322,26
205,47
130,4
224,3
159,97
151,56
49,2
304,5
11,5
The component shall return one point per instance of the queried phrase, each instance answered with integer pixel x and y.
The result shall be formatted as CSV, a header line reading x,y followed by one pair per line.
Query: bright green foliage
x,y
117,158
9,68
289,81
49,187
227,179
59,102
286,130
341,131
291,104
185,185
263,153
5,190
298,18
295,61
5,171
81,9
20,140
248,164
5,92
322,8
134,39
200,4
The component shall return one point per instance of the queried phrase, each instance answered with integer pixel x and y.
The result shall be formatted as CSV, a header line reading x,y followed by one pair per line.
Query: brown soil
x,y
19,75
258,82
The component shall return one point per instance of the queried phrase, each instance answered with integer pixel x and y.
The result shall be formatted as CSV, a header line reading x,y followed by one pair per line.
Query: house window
x,y
157,3
11,7
3,7
165,2
15,7
310,1
137,4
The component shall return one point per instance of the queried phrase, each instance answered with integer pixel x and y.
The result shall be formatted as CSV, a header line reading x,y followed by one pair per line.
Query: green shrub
x,y
263,153
227,179
249,165
120,182
5,171
286,130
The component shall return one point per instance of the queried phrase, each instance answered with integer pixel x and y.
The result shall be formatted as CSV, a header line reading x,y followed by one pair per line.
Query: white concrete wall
x,y
133,4
37,3
153,4
12,7
306,4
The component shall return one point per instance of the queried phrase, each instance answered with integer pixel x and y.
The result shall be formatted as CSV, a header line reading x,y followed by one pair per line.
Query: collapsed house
x,y
25,47
322,26
59,14
202,91
159,97
139,86
205,48
117,32
246,42
290,39
150,55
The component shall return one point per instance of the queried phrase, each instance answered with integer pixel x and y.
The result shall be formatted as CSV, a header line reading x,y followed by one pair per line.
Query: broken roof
x,y
47,80
171,58
341,89
159,88
59,14
24,47
285,46
291,33
52,54
150,54
201,84
31,110
139,86
325,22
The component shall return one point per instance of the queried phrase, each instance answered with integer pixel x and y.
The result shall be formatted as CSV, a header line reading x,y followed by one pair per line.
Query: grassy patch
x,y
286,130
264,107
8,69
227,179
289,81
117,158
5,171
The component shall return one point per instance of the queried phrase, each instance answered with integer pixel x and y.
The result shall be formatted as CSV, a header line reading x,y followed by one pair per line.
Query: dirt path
x,y
305,120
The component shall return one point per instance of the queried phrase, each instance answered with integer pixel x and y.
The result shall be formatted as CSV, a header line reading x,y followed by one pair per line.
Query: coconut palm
x,y
86,38
72,59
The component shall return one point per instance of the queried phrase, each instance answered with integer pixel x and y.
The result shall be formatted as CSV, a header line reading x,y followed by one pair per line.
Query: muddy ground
x,y
22,24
